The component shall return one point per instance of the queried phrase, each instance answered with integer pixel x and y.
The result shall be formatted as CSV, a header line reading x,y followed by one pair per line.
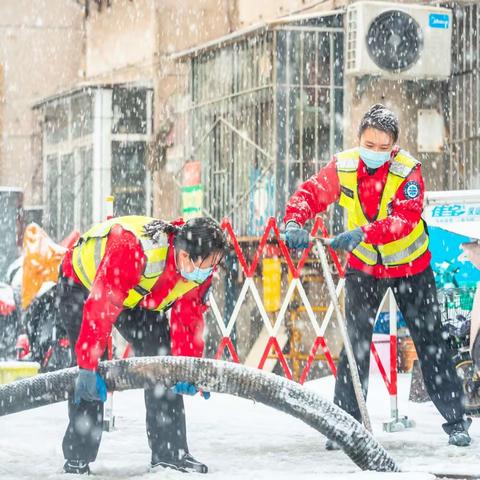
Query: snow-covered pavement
x,y
237,439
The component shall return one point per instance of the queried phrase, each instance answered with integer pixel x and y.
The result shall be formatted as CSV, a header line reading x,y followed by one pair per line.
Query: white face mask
x,y
198,275
373,159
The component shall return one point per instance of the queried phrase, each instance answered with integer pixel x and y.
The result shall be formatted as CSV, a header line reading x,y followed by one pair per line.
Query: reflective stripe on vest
x,y
417,245
400,251
367,255
347,161
90,250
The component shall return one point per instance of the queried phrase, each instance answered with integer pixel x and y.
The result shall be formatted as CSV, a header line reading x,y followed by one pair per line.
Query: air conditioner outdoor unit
x,y
400,41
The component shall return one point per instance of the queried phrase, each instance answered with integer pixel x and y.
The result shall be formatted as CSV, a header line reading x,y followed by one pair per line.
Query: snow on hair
x,y
155,229
381,118
199,236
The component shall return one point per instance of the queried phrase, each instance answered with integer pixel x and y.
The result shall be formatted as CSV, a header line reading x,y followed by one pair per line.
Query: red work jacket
x,y
123,253
323,188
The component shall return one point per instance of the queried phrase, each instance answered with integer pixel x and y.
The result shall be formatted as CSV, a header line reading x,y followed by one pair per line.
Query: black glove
x,y
295,236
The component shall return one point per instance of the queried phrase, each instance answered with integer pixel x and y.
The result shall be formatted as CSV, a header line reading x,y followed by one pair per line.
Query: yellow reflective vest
x,y
90,249
398,252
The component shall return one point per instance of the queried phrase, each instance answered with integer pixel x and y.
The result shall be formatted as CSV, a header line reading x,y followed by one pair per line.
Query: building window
x,y
128,177
51,219
463,160
264,113
66,196
94,145
86,188
129,111
56,123
82,116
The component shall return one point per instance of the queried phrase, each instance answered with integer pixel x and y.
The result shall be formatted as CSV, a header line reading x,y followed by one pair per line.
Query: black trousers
x,y
149,334
416,297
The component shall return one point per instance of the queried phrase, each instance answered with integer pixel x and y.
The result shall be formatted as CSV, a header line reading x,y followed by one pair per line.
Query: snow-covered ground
x,y
237,439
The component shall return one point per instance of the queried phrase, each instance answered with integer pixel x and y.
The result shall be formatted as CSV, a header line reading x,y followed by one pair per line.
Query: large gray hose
x,y
213,376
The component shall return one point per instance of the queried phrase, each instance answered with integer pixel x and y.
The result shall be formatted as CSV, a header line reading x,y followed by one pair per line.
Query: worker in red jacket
x,y
128,272
380,186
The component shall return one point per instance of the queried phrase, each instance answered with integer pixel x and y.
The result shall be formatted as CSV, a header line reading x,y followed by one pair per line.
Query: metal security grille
x,y
464,168
309,101
231,124
264,113
351,42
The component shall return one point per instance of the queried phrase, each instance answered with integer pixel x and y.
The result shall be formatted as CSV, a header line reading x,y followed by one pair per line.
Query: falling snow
x,y
234,109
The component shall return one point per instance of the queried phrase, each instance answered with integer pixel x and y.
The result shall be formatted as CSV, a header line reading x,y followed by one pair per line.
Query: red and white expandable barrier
x,y
272,232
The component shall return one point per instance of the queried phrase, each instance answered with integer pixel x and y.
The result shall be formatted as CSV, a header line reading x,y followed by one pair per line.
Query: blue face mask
x,y
374,159
198,275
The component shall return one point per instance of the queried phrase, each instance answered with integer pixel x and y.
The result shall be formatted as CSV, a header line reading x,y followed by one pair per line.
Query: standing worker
x,y
128,272
381,188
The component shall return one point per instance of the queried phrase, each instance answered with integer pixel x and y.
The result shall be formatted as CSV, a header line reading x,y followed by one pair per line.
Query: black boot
x,y
76,466
185,464
459,437
458,433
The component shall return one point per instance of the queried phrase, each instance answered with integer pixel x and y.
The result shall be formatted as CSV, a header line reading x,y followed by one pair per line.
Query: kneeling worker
x,y
128,272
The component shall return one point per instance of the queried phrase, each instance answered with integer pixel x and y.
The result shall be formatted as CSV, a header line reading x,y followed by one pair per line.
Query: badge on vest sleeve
x,y
412,189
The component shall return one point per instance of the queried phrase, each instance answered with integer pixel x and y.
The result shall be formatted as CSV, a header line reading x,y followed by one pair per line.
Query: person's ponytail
x,y
155,229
